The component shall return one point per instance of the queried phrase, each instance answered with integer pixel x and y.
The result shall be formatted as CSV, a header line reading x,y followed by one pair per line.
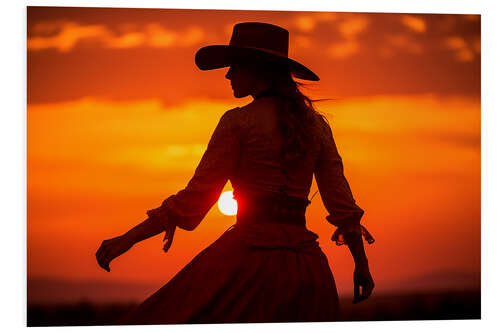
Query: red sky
x,y
119,116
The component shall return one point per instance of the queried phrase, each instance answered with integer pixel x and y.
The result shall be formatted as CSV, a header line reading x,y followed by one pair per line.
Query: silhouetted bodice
x,y
245,148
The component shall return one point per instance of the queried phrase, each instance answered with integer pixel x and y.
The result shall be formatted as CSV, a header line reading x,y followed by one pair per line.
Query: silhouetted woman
x,y
268,267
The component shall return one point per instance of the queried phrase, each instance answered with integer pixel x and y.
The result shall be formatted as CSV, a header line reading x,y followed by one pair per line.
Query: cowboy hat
x,y
249,40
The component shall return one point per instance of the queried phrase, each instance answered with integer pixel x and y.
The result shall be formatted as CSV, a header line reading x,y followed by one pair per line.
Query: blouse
x,y
245,149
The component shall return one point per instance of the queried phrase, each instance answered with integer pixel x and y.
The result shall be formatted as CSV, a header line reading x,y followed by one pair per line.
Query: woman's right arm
x,y
336,193
343,211
362,276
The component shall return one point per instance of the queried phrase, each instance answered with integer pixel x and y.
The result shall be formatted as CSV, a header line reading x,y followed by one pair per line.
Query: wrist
x,y
361,262
129,238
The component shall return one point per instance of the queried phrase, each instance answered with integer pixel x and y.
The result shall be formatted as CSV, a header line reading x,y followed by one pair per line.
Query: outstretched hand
x,y
110,249
362,279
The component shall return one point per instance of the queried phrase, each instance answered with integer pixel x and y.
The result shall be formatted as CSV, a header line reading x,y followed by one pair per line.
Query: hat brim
x,y
220,56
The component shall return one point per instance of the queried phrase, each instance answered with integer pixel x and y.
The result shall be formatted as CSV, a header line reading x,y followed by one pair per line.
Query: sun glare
x,y
227,204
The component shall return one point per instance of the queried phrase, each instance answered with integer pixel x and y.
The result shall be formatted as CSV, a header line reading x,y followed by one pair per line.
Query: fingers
x,y
105,260
102,248
102,256
105,266
362,297
169,237
99,251
366,292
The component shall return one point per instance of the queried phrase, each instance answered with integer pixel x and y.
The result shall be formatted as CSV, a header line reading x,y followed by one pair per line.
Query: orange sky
x,y
119,116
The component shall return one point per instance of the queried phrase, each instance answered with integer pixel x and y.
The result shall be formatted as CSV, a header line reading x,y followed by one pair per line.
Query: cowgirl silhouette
x,y
268,267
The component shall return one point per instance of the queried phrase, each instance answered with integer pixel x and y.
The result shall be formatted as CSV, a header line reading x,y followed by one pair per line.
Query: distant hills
x,y
56,291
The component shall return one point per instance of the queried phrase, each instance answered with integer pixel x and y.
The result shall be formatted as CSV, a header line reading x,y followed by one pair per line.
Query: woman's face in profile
x,y
243,79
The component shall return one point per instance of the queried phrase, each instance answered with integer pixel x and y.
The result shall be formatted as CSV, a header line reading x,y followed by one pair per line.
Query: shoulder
x,y
231,120
322,126
232,113
242,116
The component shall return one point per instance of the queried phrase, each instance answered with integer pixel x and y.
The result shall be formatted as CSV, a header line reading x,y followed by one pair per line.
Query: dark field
x,y
418,306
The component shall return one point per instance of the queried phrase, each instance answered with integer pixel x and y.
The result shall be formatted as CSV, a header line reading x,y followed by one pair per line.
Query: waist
x,y
270,208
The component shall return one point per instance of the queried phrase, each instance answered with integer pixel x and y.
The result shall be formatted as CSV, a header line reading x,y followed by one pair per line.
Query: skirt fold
x,y
260,272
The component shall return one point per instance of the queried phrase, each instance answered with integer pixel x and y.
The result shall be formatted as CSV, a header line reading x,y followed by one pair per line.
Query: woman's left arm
x,y
114,247
188,207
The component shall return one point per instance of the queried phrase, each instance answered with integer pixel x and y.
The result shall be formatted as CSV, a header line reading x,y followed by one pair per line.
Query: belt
x,y
270,208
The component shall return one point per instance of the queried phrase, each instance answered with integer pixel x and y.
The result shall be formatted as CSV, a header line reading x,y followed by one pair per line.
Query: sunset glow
x,y
118,118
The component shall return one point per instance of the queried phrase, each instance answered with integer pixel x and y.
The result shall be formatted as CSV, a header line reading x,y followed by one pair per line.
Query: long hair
x,y
297,111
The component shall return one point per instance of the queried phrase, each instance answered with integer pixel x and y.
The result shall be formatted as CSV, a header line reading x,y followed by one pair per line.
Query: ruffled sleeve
x,y
335,192
188,207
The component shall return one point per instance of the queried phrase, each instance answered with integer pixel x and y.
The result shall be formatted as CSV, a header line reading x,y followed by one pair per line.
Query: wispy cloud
x,y
305,23
352,27
65,35
463,51
119,127
301,42
404,43
350,30
145,135
416,24
343,49
401,136
308,22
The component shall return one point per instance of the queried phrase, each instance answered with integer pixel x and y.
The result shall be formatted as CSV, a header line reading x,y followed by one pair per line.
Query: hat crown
x,y
253,39
261,36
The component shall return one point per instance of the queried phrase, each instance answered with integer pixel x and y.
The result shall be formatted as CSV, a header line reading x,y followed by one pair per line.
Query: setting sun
x,y
227,204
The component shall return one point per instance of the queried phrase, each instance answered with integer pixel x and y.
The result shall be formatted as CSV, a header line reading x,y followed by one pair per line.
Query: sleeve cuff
x,y
166,219
347,223
339,234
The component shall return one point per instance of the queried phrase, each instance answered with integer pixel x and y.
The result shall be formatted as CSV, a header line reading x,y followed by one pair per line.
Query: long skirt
x,y
259,272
